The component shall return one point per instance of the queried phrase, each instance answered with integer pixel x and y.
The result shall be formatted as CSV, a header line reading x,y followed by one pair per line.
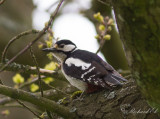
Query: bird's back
x,y
91,69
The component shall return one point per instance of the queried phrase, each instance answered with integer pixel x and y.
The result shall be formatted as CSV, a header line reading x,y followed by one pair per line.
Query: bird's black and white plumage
x,y
83,69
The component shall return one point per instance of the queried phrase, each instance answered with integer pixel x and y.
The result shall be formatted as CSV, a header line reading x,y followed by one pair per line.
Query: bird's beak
x,y
48,49
53,49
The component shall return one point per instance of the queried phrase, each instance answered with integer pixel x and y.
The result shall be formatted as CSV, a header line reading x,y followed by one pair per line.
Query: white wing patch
x,y
77,63
96,82
89,79
87,72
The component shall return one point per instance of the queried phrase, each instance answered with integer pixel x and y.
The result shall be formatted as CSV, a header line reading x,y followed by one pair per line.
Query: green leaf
x,y
5,112
48,80
99,17
50,66
40,46
34,87
18,79
107,37
50,56
101,27
97,37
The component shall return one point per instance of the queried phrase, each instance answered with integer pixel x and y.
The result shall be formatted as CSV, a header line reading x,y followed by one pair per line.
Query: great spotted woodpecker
x,y
83,69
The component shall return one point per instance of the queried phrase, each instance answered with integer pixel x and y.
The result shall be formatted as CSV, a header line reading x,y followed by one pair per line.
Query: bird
x,y
83,69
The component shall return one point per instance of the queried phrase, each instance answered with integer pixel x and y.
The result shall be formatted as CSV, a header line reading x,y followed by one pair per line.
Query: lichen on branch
x,y
39,101
15,67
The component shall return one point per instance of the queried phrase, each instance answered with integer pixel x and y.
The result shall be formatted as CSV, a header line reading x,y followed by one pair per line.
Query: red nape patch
x,y
93,88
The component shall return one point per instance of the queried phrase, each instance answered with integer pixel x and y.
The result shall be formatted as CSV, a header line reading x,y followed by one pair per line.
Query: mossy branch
x,y
36,100
49,94
15,67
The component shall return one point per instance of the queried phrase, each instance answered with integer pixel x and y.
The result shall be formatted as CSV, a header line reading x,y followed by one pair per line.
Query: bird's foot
x,y
77,96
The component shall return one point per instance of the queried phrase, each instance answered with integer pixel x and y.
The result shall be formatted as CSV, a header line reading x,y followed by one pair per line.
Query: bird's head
x,y
61,49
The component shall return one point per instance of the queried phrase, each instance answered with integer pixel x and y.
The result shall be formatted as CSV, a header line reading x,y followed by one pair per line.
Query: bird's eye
x,y
61,46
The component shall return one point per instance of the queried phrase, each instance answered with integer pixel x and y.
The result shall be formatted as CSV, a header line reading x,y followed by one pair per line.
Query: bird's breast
x,y
75,82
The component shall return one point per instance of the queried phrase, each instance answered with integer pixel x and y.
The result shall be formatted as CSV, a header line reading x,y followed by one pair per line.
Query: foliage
x,y
5,113
51,66
18,79
34,87
48,80
104,27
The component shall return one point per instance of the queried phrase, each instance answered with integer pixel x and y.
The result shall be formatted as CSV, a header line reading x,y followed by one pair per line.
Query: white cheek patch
x,y
67,48
77,63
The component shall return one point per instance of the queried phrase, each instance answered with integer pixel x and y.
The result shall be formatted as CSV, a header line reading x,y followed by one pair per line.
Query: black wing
x,y
99,73
114,74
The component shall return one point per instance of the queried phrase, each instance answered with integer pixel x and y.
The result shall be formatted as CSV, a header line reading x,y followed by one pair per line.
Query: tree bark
x,y
123,103
138,24
41,102
139,28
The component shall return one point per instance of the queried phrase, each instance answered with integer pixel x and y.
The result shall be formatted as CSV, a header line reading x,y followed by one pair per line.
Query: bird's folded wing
x,y
95,74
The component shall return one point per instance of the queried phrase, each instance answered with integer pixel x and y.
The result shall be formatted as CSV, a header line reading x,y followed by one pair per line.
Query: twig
x,y
14,39
5,100
41,102
15,67
11,105
102,34
39,76
57,89
37,67
52,6
50,86
18,106
2,1
41,33
102,42
105,3
49,94
1,82
21,103
29,82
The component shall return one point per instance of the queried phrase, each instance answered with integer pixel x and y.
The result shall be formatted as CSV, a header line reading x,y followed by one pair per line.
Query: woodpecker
x,y
83,69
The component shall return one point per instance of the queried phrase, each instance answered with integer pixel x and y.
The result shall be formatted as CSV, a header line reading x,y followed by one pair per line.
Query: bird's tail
x,y
114,80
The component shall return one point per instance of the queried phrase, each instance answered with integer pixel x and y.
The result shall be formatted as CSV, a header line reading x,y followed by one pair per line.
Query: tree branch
x,y
38,72
32,70
21,103
41,33
19,106
141,48
51,94
25,106
120,103
36,100
14,39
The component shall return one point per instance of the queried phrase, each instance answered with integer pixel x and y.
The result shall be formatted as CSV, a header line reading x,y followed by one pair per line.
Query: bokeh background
x,y
74,21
